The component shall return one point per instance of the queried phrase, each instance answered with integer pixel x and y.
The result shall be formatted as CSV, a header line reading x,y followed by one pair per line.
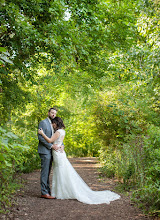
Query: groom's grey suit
x,y
45,152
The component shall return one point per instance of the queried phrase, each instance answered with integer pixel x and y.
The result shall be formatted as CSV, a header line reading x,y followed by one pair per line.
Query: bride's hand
x,y
40,131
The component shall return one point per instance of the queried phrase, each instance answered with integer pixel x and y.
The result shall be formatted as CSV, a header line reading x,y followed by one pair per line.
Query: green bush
x,y
148,195
137,164
15,157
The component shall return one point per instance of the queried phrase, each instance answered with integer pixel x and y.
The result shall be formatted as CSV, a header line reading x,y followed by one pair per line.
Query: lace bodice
x,y
59,141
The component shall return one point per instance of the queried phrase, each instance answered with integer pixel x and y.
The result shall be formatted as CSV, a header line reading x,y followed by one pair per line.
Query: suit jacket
x,y
44,147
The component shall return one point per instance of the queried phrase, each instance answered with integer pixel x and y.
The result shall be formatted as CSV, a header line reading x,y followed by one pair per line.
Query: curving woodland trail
x,y
29,205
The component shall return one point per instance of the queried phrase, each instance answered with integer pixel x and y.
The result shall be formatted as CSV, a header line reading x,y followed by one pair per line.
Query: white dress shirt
x,y
51,125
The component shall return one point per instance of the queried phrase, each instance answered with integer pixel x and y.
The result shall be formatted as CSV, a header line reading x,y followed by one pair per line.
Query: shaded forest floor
x,y
28,204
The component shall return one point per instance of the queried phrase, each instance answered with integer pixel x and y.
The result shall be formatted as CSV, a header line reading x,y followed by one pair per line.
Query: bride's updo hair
x,y
58,121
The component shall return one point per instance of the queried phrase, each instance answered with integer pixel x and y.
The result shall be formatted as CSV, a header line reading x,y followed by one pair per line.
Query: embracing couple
x,y
66,183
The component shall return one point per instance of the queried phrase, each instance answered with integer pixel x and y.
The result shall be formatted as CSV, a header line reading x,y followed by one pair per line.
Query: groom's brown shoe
x,y
47,196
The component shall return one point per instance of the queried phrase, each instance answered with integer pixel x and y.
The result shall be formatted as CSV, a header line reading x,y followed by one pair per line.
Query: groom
x,y
45,153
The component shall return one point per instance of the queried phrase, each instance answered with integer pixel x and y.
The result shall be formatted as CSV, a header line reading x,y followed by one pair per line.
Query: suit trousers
x,y
46,164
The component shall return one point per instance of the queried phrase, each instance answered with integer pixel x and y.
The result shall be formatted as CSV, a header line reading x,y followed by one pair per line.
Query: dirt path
x,y
31,207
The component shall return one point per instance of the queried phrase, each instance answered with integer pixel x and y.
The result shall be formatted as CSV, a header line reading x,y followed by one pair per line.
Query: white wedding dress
x,y
67,184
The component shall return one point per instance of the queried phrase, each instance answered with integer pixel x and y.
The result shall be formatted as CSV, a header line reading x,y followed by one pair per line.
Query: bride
x,y
66,183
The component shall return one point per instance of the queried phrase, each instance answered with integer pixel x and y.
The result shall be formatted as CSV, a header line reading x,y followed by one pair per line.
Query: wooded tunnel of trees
x,y
97,61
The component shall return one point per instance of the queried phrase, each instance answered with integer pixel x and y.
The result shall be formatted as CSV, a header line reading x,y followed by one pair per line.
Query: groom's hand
x,y
55,147
61,148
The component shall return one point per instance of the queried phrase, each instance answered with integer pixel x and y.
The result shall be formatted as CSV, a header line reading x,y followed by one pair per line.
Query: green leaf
x,y
3,49
1,157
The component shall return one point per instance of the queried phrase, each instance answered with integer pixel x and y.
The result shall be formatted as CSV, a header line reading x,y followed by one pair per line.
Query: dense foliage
x,y
98,62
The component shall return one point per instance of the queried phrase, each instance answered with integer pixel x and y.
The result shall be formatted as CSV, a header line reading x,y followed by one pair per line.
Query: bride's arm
x,y
54,137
